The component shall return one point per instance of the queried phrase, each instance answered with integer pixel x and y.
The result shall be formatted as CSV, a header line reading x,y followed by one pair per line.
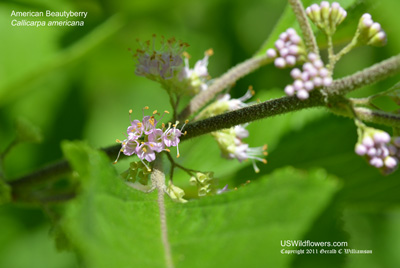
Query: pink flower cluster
x,y
162,63
380,150
289,49
314,75
144,139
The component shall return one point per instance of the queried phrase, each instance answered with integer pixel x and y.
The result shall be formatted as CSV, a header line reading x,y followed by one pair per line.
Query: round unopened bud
x,y
308,85
390,162
302,94
295,39
312,56
323,72
307,66
317,81
367,141
280,62
381,137
284,52
291,32
327,81
305,76
290,60
279,44
361,149
372,152
376,162
271,53
318,64
295,73
366,16
313,72
283,36
298,84
289,90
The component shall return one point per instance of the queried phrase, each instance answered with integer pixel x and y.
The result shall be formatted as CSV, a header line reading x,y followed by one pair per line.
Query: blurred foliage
x,y
78,83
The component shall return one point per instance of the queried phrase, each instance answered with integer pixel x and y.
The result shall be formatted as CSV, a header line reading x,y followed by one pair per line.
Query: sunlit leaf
x,y
112,225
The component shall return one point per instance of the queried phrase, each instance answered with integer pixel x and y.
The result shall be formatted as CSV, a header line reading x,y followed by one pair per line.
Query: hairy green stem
x,y
368,76
158,181
305,26
227,79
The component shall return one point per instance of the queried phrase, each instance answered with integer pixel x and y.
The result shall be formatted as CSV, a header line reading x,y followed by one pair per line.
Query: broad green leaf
x,y
112,225
288,20
376,230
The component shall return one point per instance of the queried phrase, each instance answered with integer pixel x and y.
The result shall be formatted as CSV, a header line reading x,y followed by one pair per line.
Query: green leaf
x,y
376,230
27,132
5,192
112,225
288,20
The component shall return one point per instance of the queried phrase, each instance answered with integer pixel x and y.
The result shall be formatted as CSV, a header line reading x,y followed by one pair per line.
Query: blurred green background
x,y
79,83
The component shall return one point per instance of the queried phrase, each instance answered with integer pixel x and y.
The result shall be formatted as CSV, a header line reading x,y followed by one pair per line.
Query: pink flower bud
x,y
376,162
308,85
280,62
302,94
295,73
271,53
289,90
279,44
327,81
368,142
298,84
381,137
361,149
390,162
290,60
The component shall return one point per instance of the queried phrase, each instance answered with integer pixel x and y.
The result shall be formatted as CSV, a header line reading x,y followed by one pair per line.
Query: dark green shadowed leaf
x,y
5,192
27,132
112,225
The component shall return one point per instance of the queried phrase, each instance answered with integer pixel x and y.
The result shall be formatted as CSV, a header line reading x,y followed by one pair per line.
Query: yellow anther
x,y
139,124
187,121
130,111
265,153
155,111
252,90
264,161
146,107
163,125
177,156
265,147
168,150
186,55
166,112
117,140
185,133
151,145
144,149
209,52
